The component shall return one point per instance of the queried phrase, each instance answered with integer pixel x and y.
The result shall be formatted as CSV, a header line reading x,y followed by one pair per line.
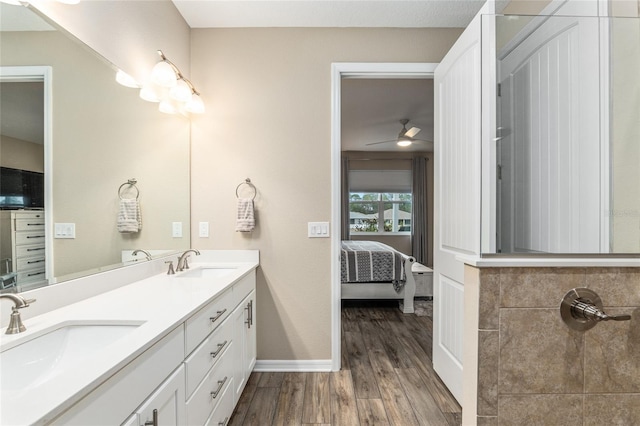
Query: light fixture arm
x,y
178,73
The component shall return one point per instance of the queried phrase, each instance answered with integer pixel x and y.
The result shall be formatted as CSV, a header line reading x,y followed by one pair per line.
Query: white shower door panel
x,y
550,149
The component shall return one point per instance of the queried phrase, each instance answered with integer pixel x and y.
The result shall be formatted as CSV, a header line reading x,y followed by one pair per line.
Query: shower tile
x,y
489,298
488,347
529,410
615,286
612,355
537,287
539,353
612,409
487,421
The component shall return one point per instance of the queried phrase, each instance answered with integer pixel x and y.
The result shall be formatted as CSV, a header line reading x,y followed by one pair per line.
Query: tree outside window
x,y
380,212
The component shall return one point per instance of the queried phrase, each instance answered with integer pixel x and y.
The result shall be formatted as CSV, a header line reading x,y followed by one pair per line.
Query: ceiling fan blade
x,y
421,140
412,132
378,143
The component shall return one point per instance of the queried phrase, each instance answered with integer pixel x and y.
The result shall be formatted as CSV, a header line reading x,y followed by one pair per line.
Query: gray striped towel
x,y
245,220
129,216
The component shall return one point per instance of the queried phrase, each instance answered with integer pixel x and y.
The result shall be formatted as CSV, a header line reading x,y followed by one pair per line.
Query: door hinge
x,y
499,90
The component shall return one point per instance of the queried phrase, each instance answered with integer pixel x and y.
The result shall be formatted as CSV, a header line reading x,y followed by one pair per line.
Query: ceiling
x,y
328,13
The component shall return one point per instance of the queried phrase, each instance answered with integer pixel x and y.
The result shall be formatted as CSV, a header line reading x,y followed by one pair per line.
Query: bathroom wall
x,y
268,97
533,369
20,154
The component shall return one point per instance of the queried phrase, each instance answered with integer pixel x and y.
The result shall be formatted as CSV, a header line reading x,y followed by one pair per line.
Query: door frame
x,y
44,74
340,70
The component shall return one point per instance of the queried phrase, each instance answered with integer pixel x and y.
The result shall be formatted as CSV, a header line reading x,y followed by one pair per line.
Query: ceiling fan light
x,y
403,142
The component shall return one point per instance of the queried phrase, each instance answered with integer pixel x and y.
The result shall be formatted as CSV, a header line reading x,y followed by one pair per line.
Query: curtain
x,y
419,217
344,192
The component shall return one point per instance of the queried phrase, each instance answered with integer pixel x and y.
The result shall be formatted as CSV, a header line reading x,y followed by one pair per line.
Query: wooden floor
x,y
386,379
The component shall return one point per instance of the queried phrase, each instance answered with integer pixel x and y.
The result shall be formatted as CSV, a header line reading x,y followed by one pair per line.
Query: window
x,y
366,209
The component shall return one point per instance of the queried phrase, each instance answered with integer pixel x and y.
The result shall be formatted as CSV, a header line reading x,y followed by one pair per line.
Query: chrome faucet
x,y
15,323
146,253
182,260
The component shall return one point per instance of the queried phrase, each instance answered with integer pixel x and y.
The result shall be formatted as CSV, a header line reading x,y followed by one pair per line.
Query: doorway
x,y
340,71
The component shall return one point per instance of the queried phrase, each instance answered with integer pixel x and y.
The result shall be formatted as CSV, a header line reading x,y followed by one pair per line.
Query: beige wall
x,y
19,154
104,134
533,369
268,96
625,135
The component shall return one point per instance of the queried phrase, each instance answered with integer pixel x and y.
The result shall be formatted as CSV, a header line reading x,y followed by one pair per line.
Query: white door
x,y
549,153
457,196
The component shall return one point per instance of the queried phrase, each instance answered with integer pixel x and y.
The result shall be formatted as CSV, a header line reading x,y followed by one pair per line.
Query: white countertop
x,y
161,302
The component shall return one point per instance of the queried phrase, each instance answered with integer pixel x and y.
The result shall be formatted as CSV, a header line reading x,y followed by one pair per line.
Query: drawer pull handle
x,y
249,309
221,383
224,422
154,421
35,224
35,236
35,249
34,261
218,315
35,273
220,347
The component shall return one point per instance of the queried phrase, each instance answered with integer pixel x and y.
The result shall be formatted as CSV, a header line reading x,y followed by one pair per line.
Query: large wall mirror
x,y
567,152
73,167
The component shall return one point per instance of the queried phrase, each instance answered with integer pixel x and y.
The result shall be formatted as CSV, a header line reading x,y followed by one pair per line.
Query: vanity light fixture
x,y
126,80
171,89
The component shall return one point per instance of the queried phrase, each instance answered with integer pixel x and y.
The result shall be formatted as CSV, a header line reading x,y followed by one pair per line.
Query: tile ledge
x,y
528,262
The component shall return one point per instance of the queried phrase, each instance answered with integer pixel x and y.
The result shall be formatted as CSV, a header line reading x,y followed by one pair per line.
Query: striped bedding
x,y
371,261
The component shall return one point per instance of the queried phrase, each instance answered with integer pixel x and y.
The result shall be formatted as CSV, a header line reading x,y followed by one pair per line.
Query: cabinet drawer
x,y
208,354
207,319
222,413
30,249
244,287
34,274
29,237
30,224
27,263
211,390
29,215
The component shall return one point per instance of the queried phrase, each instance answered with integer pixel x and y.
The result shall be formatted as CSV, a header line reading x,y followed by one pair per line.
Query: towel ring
x,y
247,181
130,182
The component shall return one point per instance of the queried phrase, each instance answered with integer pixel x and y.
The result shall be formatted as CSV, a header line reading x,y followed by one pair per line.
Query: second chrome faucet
x,y
182,260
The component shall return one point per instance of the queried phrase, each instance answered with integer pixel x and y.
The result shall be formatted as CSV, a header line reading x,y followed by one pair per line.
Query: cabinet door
x,y
245,337
168,400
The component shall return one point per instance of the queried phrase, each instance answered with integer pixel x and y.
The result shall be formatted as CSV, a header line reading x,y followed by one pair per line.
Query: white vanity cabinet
x,y
193,376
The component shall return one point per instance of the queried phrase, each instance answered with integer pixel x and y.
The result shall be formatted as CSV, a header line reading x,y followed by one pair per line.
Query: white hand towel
x,y
129,218
245,221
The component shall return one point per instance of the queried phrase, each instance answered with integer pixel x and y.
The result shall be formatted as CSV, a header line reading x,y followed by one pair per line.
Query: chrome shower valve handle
x,y
581,309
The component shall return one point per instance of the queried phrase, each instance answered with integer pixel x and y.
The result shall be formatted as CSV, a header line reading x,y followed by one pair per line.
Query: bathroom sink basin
x,y
61,348
206,272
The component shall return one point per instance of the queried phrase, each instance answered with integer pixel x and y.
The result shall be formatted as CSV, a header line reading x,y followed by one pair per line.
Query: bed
x,y
373,270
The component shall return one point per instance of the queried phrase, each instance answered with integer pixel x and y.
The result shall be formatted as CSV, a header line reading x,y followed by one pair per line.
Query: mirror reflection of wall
x,y
103,135
568,119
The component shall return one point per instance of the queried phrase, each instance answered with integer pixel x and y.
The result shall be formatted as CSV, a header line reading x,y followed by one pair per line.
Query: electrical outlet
x,y
203,229
176,229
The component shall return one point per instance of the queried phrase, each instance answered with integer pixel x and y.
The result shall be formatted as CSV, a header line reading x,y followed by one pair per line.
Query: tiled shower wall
x,y
534,370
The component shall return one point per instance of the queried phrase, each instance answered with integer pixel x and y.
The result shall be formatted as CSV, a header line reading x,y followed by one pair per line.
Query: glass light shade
x,y
167,106
403,142
195,105
126,80
150,92
181,92
164,75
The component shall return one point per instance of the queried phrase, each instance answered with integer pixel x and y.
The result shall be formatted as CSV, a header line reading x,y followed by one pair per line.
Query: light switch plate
x,y
176,229
203,229
65,230
318,229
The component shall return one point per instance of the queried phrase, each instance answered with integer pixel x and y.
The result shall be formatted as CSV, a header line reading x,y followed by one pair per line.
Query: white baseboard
x,y
307,365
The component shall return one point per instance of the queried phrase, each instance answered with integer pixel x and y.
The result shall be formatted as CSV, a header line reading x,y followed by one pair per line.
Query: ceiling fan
x,y
405,137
